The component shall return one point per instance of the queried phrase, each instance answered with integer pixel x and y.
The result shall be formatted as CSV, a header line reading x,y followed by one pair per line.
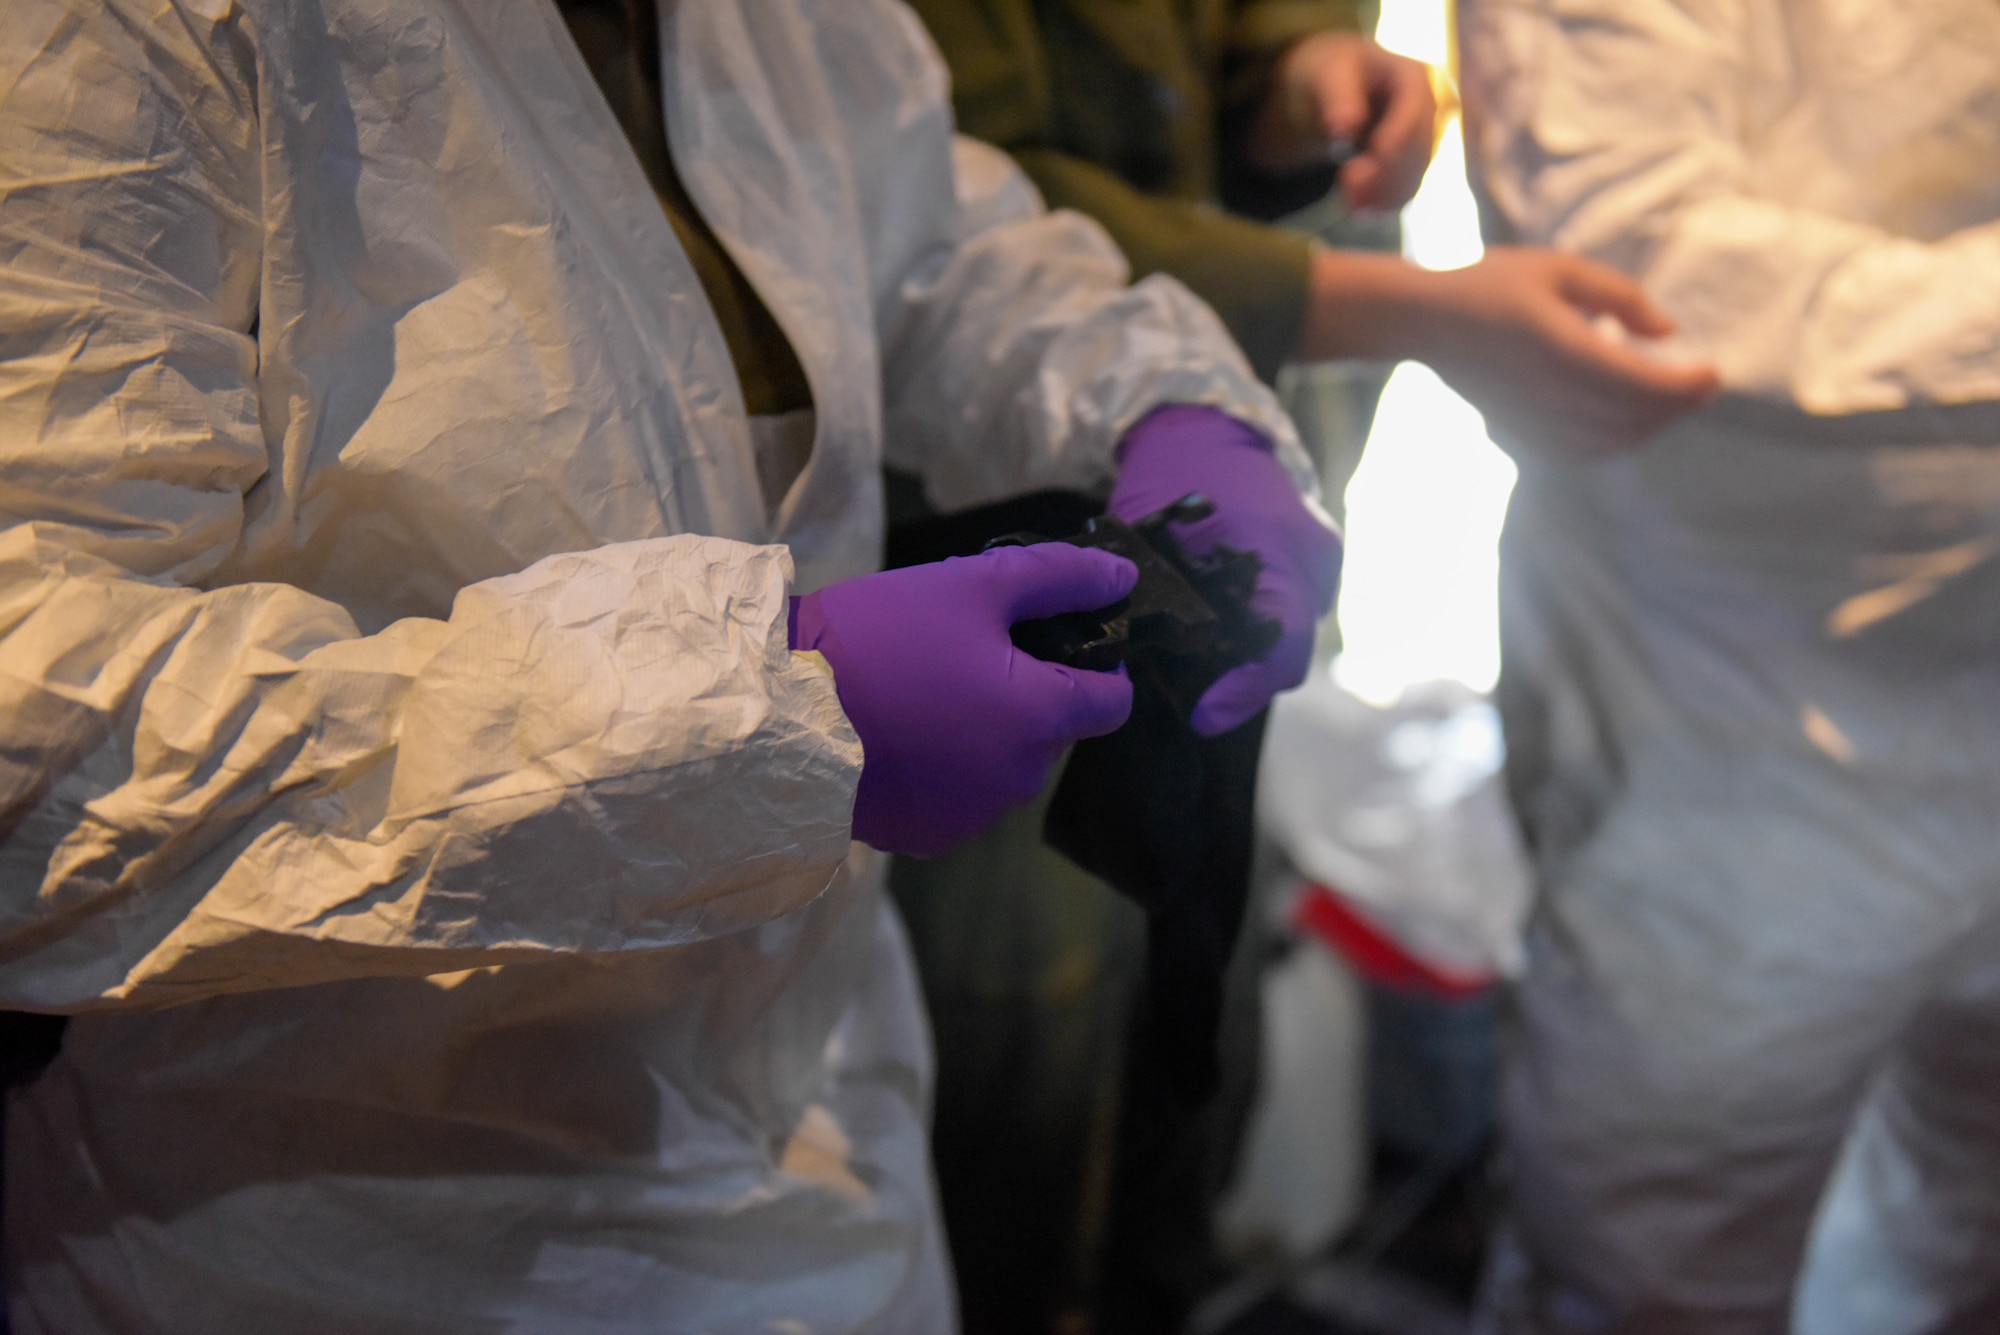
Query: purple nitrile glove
x,y
1184,447
956,724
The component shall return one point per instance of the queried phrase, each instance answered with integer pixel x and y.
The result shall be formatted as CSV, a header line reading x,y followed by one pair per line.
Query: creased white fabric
x,y
392,657
1809,187
1752,672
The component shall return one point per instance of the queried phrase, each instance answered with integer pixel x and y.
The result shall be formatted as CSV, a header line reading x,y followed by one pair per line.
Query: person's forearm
x,y
1514,334
1365,305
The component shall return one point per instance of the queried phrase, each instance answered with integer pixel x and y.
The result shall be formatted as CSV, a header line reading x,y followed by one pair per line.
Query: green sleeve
x,y
1269,25
1001,52
1253,275
999,73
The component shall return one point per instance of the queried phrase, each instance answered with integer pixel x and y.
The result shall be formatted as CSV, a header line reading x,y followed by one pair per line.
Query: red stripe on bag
x,y
1322,914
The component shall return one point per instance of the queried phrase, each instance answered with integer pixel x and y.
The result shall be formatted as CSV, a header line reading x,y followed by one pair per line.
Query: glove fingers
x,y
1092,703
1234,700
1054,577
1240,693
1322,554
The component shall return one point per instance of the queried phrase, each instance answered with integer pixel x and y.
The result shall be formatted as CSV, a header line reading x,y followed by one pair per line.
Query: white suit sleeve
x,y
1016,351
1622,129
214,789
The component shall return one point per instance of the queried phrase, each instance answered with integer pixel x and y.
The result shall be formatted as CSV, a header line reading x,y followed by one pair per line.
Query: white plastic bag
x,y
1401,811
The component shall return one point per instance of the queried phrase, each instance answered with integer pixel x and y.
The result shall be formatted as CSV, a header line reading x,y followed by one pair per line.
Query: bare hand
x,y
1514,334
1339,90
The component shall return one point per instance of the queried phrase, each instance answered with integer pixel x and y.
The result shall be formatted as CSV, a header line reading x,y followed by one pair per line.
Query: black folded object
x,y
28,1043
1161,813
1186,622
1164,816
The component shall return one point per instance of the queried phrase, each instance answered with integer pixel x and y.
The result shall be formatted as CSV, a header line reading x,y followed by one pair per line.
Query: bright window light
x,y
1419,29
1418,599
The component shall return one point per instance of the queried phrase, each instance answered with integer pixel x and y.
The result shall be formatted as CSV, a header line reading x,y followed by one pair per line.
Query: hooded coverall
x,y
1751,675
406,782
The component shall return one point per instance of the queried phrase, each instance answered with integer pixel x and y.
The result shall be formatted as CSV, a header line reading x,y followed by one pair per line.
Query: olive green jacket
x,y
1117,109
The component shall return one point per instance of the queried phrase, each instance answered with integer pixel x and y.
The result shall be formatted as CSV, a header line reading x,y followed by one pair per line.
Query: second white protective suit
x,y
406,780
1752,673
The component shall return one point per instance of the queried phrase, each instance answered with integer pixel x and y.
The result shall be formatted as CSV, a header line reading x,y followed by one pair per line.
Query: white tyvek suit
x,y
404,772
1752,674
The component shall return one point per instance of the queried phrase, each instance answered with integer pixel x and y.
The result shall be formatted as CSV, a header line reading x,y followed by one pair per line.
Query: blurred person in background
x,y
1751,675
1180,127
1072,1182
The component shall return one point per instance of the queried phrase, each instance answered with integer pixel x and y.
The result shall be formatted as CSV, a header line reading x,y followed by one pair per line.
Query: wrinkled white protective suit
x,y
403,765
1753,671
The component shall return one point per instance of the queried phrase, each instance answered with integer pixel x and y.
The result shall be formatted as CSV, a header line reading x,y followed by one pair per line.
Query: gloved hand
x,y
1182,448
956,724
